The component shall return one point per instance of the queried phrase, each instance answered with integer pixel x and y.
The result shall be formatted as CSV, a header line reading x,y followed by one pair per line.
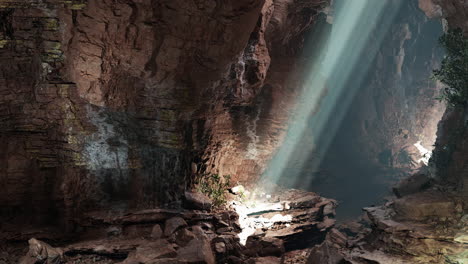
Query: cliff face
x,y
120,103
117,104
392,107
427,220
454,12
449,157
397,106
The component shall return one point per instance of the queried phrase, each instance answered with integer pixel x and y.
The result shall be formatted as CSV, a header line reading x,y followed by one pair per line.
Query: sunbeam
x,y
334,79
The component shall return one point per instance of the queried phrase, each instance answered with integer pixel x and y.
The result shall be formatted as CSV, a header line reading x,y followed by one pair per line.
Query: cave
x,y
234,131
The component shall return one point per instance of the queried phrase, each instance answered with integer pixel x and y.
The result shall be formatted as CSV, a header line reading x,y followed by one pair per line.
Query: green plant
x,y
453,71
215,187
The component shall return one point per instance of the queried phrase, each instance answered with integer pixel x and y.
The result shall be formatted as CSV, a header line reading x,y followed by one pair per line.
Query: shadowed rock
x,y
196,200
42,252
173,224
415,183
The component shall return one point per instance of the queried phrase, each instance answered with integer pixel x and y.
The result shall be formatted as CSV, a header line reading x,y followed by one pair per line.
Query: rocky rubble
x,y
297,218
277,225
427,226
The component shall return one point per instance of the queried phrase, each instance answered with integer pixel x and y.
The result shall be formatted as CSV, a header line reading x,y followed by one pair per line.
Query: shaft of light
x,y
359,27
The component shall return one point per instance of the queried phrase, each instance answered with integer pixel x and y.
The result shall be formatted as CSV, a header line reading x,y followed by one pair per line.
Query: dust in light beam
x,y
330,84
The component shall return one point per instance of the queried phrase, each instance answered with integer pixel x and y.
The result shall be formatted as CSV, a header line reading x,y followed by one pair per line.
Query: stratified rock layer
x,y
119,103
454,12
114,106
424,227
428,222
188,236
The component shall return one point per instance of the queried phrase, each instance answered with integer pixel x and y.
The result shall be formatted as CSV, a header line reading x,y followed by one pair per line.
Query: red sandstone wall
x,y
108,103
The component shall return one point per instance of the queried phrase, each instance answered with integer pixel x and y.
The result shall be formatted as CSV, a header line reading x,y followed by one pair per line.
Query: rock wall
x,y
119,103
449,157
454,12
396,105
392,106
427,222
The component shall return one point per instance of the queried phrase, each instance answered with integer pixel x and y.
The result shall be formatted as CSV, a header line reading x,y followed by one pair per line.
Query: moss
x,y
63,90
52,51
52,46
51,24
3,43
48,57
73,140
78,159
77,6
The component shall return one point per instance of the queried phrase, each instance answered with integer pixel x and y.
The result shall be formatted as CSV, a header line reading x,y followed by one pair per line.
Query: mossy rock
x,y
3,43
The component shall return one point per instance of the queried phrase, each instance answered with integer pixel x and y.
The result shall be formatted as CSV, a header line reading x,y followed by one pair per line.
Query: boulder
x,y
301,235
226,219
198,250
151,252
41,252
423,205
173,224
413,184
227,245
307,201
220,247
183,237
326,253
238,190
338,238
113,231
156,232
352,228
264,246
197,201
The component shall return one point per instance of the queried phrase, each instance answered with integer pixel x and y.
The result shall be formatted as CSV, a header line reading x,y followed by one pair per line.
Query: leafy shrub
x,y
454,68
215,187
